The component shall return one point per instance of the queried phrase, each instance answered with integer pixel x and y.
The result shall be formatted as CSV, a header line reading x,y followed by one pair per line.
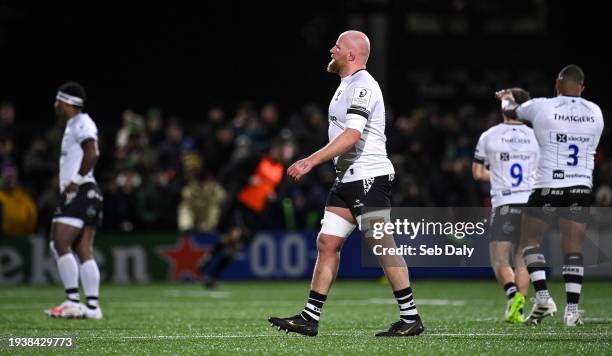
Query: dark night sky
x,y
179,58
185,57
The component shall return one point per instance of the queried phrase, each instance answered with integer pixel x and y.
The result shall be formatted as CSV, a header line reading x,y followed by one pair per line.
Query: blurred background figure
x,y
11,138
18,210
201,198
251,182
155,127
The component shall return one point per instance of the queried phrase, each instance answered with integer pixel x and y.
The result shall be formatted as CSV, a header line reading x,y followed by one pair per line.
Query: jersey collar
x,y
349,77
357,71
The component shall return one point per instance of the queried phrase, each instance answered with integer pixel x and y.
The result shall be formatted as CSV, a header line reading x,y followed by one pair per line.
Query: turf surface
x,y
461,317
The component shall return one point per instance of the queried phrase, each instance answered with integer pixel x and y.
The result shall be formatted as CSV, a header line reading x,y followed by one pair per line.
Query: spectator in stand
x,y
6,150
132,122
38,165
9,131
170,149
269,117
215,139
18,211
215,119
202,198
7,119
155,127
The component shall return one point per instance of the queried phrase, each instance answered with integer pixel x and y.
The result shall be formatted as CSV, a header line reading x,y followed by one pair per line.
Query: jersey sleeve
x,y
84,130
529,109
361,101
480,154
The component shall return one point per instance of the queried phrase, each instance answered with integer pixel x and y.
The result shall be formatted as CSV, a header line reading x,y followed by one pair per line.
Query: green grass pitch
x,y
461,317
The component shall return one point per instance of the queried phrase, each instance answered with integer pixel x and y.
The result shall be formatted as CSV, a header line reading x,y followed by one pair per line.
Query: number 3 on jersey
x,y
573,155
516,172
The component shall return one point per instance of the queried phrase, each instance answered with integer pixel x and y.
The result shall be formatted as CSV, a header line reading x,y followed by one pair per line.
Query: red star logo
x,y
184,259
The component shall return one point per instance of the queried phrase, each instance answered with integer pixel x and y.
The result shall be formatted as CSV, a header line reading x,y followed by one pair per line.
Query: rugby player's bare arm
x,y
480,172
90,158
339,145
508,104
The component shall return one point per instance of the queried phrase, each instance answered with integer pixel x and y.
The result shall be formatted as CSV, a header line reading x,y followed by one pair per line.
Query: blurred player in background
x,y
506,155
251,182
568,129
364,180
80,208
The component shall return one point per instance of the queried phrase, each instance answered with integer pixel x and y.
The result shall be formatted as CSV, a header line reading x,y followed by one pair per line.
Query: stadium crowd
x,y
158,172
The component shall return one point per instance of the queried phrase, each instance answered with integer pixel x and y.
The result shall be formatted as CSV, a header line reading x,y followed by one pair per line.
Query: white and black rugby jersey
x,y
78,129
568,130
510,150
358,104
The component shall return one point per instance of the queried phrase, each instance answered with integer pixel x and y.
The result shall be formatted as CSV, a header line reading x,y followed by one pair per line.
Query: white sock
x,y
69,273
90,278
572,307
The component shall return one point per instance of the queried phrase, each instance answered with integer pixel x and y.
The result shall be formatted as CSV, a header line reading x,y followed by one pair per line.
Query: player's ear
x,y
351,56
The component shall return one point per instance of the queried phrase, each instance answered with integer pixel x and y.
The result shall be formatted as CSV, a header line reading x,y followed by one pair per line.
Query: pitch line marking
x,y
181,337
196,293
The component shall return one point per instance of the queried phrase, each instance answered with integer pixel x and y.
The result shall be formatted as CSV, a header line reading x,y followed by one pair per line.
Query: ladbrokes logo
x,y
558,174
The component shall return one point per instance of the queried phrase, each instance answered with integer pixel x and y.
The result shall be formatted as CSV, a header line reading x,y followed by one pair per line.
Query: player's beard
x,y
333,66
